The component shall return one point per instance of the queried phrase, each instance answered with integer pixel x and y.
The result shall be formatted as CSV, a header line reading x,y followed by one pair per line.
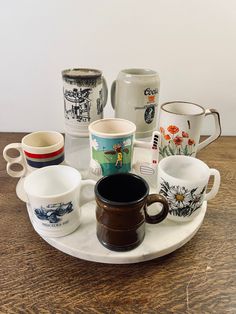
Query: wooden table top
x,y
200,277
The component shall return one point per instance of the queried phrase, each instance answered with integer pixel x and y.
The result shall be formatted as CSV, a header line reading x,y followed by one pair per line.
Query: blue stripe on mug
x,y
40,164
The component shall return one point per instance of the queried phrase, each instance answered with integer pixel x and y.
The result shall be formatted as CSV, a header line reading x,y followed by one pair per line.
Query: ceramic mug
x,y
134,96
53,195
180,125
37,150
121,212
85,96
111,145
183,180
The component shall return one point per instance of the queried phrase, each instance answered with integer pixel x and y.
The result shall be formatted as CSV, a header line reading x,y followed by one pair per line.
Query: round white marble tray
x,y
160,239
20,192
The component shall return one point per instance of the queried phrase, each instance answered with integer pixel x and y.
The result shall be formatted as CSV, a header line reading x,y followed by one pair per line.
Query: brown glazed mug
x,y
122,201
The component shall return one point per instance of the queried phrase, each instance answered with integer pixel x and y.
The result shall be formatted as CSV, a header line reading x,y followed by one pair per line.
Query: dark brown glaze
x,y
120,228
120,240
121,225
156,198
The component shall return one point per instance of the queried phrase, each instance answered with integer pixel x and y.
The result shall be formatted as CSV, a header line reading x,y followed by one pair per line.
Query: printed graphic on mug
x,y
85,96
77,104
151,103
182,202
149,114
113,154
43,160
176,142
53,213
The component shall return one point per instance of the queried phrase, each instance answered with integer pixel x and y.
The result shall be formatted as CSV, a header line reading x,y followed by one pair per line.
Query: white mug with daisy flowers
x,y
183,181
180,125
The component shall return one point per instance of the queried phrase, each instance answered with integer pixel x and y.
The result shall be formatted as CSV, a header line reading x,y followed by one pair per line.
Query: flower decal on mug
x,y
173,129
185,134
191,142
182,201
176,142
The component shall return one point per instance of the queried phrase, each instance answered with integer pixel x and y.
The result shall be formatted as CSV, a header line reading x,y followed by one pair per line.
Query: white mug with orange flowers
x,y
180,125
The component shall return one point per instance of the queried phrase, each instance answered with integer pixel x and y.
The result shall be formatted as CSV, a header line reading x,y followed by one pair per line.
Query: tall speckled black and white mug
x,y
85,96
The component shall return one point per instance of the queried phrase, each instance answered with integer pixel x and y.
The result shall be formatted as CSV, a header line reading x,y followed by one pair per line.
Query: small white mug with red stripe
x,y
36,150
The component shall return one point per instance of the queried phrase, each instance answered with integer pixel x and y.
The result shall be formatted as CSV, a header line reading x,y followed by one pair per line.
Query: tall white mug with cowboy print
x,y
85,96
183,180
134,96
180,125
111,144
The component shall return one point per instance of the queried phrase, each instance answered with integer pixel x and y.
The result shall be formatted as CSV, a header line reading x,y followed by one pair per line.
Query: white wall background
x,y
191,43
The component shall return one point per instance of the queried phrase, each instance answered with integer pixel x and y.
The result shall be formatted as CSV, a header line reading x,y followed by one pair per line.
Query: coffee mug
x,y
54,199
183,180
111,144
37,150
134,96
180,125
122,201
85,96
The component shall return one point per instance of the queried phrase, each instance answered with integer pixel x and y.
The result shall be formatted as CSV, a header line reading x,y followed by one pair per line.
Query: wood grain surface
x,y
200,277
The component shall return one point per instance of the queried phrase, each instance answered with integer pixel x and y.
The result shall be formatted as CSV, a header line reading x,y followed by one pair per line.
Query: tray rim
x,y
113,257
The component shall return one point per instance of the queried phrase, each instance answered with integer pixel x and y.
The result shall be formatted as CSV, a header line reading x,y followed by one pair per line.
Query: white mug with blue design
x,y
54,199
36,150
183,181
112,142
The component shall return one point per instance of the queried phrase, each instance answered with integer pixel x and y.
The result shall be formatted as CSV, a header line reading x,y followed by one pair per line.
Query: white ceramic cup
x,y
54,199
36,150
183,180
134,96
180,124
85,96
111,144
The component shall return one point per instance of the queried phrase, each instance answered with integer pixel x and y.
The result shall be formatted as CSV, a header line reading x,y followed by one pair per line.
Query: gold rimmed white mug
x,y
180,125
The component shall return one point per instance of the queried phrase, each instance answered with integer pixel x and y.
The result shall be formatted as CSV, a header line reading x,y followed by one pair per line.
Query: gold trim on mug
x,y
183,102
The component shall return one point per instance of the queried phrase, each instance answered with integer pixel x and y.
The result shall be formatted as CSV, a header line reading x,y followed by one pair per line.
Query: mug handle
x,y
156,198
144,167
15,160
95,168
156,137
217,132
216,185
113,91
104,91
88,198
